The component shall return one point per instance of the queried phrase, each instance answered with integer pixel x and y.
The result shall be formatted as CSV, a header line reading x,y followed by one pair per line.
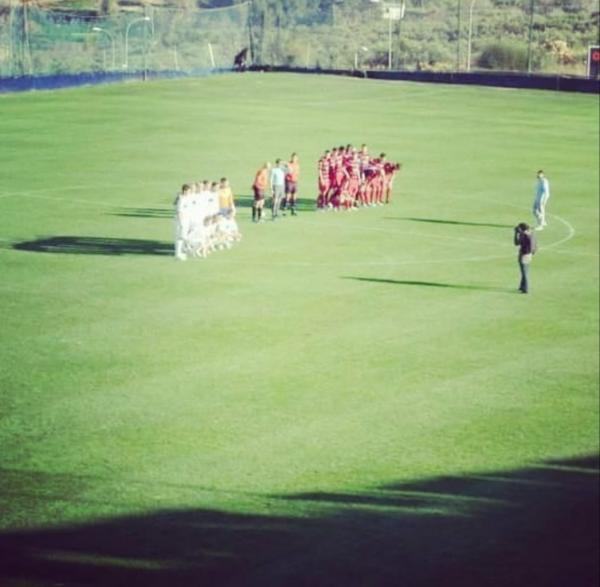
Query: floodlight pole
x,y
459,27
395,11
531,11
143,19
470,34
98,29
389,40
10,38
145,53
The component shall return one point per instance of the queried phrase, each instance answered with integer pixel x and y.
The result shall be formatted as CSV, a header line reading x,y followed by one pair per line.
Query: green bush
x,y
504,57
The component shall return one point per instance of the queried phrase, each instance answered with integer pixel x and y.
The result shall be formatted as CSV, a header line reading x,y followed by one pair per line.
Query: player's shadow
x,y
92,245
432,284
144,212
452,222
302,204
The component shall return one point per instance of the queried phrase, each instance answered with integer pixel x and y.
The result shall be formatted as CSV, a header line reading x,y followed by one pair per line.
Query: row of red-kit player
x,y
351,178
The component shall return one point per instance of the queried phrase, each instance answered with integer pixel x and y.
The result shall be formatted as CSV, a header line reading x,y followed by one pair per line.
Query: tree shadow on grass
x,y
536,526
91,245
453,222
433,284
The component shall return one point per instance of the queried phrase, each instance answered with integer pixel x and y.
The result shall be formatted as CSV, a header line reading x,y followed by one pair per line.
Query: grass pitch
x,y
342,399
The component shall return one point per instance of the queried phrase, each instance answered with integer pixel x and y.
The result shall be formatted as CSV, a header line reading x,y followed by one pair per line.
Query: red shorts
x,y
291,187
353,186
259,194
340,178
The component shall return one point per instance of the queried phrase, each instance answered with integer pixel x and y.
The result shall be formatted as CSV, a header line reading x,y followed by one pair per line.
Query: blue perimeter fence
x,y
503,80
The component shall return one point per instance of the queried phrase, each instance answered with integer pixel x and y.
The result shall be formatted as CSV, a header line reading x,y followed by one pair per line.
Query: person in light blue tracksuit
x,y
277,181
542,194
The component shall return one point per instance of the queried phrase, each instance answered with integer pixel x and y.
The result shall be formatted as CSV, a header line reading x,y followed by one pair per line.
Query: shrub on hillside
x,y
503,57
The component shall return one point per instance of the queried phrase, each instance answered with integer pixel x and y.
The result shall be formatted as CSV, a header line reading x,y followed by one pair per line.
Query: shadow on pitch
x,y
243,201
145,212
534,526
432,284
452,222
302,204
91,245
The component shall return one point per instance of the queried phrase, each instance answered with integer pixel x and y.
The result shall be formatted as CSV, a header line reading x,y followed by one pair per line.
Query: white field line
x,y
412,233
570,235
394,263
38,194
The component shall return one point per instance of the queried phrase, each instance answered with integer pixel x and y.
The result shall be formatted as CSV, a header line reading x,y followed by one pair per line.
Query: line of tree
x,y
434,34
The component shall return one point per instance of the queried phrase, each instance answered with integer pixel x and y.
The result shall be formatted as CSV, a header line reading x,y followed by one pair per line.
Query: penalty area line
x,y
39,195
570,235
410,233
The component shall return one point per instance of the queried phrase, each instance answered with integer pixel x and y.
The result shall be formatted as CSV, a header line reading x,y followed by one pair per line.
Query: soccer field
x,y
342,398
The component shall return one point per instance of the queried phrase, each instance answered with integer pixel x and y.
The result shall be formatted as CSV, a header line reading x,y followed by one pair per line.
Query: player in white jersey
x,y
184,211
204,188
213,199
229,228
198,240
212,211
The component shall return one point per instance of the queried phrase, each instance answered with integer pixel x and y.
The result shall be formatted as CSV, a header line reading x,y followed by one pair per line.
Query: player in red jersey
x,y
350,178
333,158
340,180
369,174
363,154
324,181
353,184
390,169
364,162
377,179
344,181
291,183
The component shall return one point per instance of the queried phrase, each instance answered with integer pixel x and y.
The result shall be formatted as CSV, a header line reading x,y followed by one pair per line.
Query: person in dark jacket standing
x,y
525,240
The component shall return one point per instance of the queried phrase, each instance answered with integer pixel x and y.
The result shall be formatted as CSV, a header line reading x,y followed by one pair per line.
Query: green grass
x,y
340,399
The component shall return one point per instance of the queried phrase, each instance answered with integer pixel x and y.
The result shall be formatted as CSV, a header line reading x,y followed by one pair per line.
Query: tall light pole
x,y
98,29
470,33
143,19
10,38
390,40
458,28
393,12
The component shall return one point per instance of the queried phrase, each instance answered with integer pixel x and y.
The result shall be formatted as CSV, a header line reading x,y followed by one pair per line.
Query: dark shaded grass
x,y
535,526
92,245
453,222
302,204
433,284
145,212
